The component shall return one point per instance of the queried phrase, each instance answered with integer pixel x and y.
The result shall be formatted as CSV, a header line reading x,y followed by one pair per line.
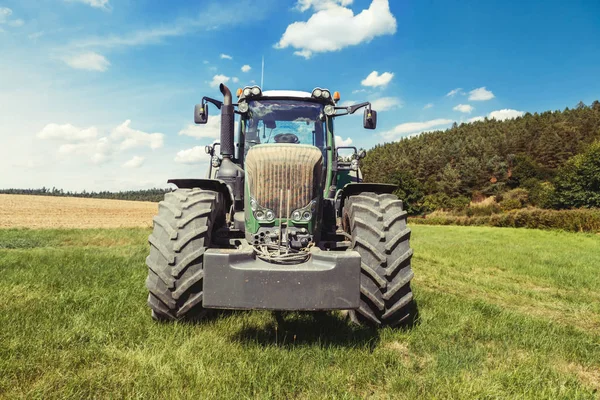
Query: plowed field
x,y
22,211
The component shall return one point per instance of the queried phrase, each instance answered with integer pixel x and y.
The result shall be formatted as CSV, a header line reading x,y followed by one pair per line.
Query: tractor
x,y
282,222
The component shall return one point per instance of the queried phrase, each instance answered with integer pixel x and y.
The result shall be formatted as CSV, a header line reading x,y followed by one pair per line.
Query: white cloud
x,y
85,142
210,130
427,106
213,16
476,119
36,35
5,13
303,5
132,138
104,4
226,56
342,142
454,92
375,80
16,23
414,128
89,61
386,103
480,94
235,79
218,79
303,53
195,155
500,115
359,91
135,162
67,133
464,108
246,68
97,151
333,27
205,62
505,114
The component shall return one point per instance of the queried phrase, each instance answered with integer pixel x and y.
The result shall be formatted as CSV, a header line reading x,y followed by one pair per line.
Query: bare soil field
x,y
23,211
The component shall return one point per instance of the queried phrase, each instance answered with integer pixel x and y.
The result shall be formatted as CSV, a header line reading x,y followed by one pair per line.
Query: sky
x,y
99,94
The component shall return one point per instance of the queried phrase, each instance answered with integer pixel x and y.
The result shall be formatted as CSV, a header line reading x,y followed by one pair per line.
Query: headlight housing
x,y
305,213
252,91
261,214
319,93
243,107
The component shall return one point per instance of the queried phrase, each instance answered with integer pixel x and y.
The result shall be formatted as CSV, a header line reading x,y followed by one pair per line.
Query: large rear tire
x,y
182,232
377,225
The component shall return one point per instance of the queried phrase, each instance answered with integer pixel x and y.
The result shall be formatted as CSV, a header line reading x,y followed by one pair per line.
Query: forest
x,y
548,160
154,195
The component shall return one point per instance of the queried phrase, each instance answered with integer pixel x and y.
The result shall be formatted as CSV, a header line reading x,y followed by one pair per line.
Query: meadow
x,y
503,313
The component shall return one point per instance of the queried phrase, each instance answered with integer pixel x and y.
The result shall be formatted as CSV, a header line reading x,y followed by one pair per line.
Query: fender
x,y
206,184
351,189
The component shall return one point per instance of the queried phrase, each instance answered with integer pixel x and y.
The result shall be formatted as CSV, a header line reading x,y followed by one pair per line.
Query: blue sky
x,y
98,94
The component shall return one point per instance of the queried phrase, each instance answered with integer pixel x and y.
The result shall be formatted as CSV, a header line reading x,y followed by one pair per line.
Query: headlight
x,y
216,161
326,94
354,165
329,110
270,215
261,213
305,213
255,90
247,92
317,92
243,107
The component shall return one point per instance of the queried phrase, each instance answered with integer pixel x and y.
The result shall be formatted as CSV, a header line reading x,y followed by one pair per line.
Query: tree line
x,y
548,160
155,194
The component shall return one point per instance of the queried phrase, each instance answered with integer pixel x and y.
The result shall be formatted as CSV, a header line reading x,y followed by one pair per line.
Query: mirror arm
x,y
217,103
352,109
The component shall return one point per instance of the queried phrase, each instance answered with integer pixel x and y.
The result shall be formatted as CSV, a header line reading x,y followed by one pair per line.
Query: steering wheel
x,y
286,138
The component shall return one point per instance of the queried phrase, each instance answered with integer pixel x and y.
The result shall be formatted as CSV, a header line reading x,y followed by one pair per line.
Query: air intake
x,y
272,167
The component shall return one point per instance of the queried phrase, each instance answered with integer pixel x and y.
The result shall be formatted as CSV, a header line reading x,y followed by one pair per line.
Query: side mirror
x,y
208,149
201,113
370,119
362,154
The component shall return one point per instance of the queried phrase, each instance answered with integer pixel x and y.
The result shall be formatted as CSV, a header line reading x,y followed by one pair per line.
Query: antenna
x,y
262,74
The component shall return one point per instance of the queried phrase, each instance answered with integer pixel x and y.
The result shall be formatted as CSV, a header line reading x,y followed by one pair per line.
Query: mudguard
x,y
207,184
354,188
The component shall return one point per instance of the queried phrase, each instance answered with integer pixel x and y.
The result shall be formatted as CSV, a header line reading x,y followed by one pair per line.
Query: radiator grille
x,y
270,168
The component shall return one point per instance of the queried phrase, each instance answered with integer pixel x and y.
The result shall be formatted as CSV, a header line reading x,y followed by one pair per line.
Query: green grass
x,y
504,313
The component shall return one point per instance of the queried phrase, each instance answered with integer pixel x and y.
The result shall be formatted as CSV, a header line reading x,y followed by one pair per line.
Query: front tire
x,y
377,225
182,232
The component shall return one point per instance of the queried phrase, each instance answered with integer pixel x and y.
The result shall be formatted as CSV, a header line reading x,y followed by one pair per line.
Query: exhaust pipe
x,y
229,172
227,123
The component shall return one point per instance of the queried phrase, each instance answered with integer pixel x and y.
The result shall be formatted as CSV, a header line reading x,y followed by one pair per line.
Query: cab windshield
x,y
284,121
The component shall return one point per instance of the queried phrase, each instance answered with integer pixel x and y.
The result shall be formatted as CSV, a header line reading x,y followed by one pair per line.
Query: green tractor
x,y
282,222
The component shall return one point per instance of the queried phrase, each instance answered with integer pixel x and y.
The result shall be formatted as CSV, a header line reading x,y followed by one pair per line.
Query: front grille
x,y
270,168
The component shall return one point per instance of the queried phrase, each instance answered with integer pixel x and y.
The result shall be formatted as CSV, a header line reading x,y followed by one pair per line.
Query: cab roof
x,y
286,93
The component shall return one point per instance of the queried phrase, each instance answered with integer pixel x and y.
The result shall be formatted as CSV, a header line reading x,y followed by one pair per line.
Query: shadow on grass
x,y
325,329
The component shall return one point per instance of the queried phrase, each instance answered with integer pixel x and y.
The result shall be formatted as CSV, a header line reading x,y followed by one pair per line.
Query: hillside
x,y
471,161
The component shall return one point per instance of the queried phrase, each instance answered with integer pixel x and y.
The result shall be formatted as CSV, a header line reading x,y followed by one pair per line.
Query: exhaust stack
x,y
229,172
227,123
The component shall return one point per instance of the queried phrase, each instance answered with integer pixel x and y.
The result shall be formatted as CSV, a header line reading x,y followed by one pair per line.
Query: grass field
x,y
503,313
